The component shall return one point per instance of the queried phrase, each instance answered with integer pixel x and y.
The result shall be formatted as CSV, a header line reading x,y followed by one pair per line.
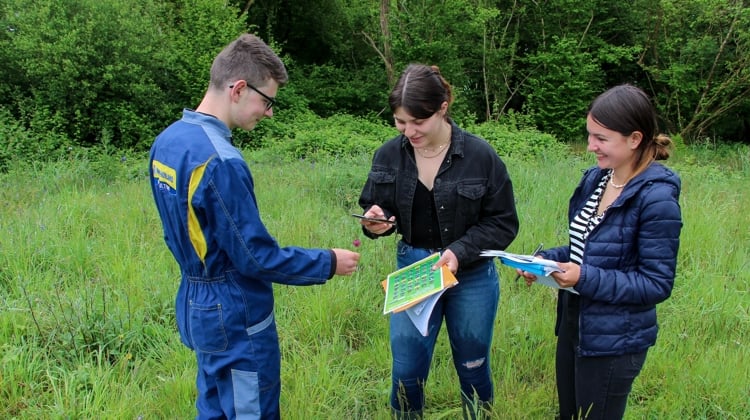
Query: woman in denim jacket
x,y
447,191
625,227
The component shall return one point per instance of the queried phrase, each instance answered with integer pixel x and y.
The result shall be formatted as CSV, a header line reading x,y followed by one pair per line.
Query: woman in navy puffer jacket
x,y
625,224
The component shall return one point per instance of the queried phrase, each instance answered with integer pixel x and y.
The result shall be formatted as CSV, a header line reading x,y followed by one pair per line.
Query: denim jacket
x,y
473,194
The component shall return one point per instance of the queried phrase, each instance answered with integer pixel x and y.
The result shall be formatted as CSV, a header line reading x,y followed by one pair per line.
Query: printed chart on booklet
x,y
415,289
410,284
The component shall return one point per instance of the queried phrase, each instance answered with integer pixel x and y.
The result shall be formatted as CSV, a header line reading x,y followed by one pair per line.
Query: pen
x,y
538,248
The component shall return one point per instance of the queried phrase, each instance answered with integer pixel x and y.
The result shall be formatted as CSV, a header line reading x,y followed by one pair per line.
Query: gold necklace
x,y
612,182
440,150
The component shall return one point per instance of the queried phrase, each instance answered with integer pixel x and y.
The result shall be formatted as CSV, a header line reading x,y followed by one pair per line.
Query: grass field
x,y
87,286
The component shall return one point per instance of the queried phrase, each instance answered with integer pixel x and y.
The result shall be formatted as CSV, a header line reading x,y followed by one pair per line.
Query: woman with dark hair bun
x,y
625,224
447,191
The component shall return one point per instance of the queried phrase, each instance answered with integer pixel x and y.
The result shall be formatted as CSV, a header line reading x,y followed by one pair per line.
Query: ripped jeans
x,y
469,310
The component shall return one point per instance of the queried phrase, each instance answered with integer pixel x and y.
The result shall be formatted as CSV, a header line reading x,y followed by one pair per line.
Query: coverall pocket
x,y
206,325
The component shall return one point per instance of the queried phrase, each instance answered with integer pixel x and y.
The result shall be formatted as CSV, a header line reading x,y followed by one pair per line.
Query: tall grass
x,y
87,286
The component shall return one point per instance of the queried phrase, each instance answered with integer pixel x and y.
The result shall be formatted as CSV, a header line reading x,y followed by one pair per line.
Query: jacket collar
x,y
207,120
655,172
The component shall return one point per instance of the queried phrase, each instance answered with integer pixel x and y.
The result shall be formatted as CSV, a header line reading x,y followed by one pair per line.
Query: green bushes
x,y
76,71
87,69
19,144
339,135
525,143
310,137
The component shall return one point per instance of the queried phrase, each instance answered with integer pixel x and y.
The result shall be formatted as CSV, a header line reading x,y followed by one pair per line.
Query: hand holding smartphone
x,y
372,219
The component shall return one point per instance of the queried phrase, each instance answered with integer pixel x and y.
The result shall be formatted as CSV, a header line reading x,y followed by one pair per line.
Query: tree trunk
x,y
386,32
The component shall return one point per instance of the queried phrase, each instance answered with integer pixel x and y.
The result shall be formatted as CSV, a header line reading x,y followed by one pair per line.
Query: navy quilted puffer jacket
x,y
629,262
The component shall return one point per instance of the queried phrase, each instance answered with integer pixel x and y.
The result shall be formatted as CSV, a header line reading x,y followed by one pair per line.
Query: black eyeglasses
x,y
270,102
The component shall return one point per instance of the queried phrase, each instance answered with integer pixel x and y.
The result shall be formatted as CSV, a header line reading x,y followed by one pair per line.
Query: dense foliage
x,y
114,73
109,72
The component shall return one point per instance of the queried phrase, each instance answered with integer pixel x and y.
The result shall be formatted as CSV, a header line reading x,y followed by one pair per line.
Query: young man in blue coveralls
x,y
228,261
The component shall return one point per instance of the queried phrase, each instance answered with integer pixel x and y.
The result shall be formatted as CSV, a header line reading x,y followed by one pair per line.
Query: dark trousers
x,y
591,387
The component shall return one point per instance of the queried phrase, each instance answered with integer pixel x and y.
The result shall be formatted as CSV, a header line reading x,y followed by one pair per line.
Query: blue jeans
x,y
469,309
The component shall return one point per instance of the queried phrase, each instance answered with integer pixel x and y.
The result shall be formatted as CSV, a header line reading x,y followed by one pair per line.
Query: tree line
x,y
115,72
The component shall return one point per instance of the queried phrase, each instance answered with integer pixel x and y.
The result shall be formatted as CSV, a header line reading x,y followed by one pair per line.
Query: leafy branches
x,y
86,72
699,64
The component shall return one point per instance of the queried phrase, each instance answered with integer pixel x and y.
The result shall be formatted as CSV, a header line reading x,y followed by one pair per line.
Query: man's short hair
x,y
247,58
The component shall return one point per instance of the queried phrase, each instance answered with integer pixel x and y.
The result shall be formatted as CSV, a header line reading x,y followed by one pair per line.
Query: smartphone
x,y
371,219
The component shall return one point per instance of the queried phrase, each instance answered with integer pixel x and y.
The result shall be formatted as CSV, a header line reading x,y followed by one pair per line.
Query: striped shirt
x,y
586,220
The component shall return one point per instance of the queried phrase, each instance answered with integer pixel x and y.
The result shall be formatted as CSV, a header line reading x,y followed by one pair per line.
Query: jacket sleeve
x,y
651,279
380,189
559,254
232,213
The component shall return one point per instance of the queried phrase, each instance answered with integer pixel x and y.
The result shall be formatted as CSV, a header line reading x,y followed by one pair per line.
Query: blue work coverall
x,y
204,194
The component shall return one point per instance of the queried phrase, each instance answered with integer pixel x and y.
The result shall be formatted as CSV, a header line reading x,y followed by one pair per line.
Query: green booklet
x,y
412,284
